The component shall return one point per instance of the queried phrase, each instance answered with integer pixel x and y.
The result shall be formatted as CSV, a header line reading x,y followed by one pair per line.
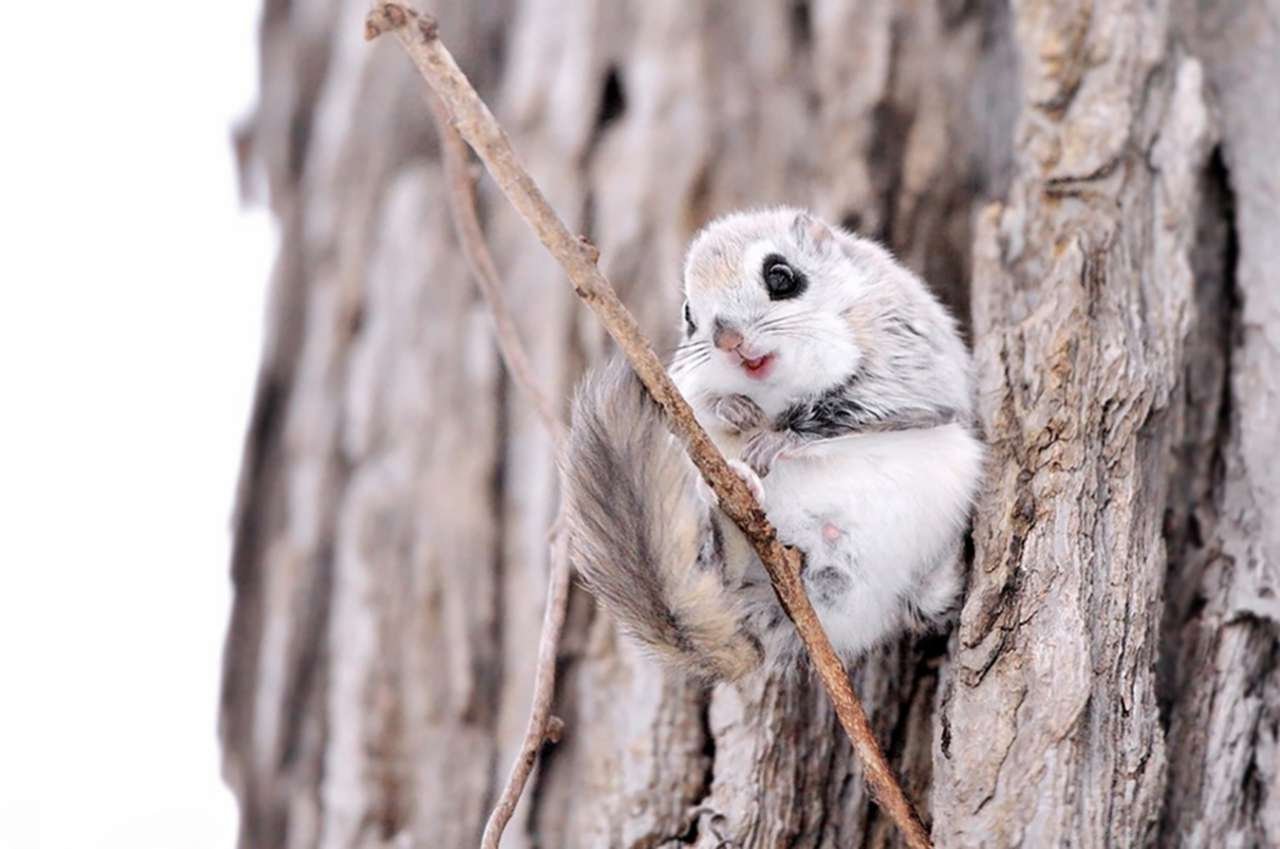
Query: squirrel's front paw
x,y
738,412
749,477
764,448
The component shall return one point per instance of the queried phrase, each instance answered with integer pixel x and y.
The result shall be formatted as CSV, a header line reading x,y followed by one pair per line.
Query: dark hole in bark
x,y
1197,607
801,24
613,100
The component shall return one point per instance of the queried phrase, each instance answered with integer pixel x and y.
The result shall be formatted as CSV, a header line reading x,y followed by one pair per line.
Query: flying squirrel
x,y
841,391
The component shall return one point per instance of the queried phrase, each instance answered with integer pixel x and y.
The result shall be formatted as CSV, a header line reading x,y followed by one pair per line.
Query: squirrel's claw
x,y
766,447
738,412
749,477
763,449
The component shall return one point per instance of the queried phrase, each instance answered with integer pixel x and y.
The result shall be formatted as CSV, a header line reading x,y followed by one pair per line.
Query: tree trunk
x,y
1096,179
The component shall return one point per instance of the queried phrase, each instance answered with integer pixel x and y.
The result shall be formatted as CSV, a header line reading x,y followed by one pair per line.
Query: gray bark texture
x,y
1094,185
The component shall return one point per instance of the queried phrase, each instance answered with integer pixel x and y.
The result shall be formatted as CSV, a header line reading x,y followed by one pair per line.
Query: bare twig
x,y
541,726
419,36
484,271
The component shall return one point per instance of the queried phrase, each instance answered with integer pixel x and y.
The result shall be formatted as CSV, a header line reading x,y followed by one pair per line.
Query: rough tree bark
x,y
1097,178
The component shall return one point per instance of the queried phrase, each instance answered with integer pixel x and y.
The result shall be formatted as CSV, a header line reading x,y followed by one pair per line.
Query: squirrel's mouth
x,y
757,367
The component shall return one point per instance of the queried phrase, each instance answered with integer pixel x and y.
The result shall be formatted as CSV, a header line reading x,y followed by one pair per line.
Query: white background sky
x,y
131,307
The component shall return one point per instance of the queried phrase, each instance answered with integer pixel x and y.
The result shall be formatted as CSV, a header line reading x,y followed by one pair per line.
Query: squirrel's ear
x,y
690,327
810,232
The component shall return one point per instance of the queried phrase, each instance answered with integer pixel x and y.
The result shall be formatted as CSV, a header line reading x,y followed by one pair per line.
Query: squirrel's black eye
x,y
780,279
689,327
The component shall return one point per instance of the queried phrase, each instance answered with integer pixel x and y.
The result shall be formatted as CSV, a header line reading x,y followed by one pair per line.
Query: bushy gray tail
x,y
639,536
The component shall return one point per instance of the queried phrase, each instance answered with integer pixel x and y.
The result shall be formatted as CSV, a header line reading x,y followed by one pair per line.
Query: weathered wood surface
x,y
1112,680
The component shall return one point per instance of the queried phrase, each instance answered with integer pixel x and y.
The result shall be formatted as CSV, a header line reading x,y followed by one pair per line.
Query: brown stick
x,y
419,36
462,204
541,726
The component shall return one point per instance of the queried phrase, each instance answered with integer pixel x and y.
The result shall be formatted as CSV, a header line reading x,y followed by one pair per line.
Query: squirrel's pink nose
x,y
726,338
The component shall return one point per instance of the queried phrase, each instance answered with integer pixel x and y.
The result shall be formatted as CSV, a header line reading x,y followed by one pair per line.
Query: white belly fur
x,y
885,510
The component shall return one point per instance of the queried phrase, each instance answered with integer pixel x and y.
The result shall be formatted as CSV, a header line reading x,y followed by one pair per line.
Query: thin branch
x,y
463,207
541,726
420,38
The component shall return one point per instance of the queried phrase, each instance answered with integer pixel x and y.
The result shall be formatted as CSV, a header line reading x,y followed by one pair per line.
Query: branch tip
x,y
386,16
398,15
393,16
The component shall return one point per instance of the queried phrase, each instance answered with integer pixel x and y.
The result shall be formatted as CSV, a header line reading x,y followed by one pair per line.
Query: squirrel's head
x,y
771,300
